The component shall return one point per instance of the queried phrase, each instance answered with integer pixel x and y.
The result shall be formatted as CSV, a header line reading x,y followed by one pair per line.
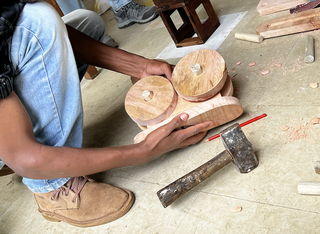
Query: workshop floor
x,y
285,142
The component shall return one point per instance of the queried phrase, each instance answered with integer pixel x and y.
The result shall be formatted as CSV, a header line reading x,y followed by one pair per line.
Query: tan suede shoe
x,y
84,203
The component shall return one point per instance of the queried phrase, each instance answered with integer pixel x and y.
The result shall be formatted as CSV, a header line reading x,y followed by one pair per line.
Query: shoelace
x,y
76,184
133,5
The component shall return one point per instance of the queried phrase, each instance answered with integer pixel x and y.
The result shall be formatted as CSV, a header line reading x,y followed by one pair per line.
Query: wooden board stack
x,y
266,7
200,87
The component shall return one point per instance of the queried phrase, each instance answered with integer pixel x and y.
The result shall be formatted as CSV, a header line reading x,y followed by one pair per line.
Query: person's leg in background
x,y
47,83
68,6
90,24
128,12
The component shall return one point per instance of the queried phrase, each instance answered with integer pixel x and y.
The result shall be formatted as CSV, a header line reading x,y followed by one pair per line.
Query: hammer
x,y
238,150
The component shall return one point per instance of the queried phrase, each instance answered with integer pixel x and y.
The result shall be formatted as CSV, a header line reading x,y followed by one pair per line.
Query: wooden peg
x,y
309,50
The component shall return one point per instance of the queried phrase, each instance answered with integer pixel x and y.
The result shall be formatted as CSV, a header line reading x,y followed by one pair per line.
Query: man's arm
x,y
25,155
92,52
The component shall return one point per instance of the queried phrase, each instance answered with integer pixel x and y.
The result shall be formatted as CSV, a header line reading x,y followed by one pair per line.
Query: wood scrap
x,y
305,6
314,85
315,120
309,49
309,187
266,7
296,23
249,37
237,209
317,167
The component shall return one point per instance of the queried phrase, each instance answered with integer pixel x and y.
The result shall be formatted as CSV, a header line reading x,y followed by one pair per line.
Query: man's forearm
x,y
90,51
58,162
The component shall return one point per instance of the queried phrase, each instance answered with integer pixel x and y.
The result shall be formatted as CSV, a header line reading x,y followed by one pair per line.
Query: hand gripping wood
x,y
238,150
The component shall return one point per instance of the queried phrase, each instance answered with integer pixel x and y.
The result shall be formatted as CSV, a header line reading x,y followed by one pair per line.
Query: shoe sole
x,y
131,22
58,218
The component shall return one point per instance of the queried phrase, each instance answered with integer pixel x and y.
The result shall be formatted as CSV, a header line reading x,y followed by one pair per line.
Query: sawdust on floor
x,y
296,132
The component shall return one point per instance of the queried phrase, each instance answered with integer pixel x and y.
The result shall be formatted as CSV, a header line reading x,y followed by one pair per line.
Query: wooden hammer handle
x,y
176,189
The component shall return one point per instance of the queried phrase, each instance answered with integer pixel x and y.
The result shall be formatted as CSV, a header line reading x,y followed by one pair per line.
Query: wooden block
x,y
201,87
309,187
295,23
218,110
154,108
6,171
271,6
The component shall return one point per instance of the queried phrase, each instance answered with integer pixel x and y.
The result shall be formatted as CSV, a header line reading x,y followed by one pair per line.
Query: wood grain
x,y
159,108
266,7
183,105
218,110
202,87
295,23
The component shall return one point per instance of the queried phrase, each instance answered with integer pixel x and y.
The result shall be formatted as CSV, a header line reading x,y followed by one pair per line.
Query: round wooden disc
x,y
208,83
161,105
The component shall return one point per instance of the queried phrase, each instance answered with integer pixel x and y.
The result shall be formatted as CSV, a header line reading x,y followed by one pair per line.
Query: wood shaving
x,y
314,85
296,133
315,120
252,64
264,72
237,209
238,63
284,128
278,65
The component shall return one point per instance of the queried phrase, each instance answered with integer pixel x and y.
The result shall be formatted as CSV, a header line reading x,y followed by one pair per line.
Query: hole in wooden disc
x,y
147,95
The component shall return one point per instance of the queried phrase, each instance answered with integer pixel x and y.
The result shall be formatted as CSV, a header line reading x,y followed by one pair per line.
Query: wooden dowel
x,y
249,37
309,50
309,187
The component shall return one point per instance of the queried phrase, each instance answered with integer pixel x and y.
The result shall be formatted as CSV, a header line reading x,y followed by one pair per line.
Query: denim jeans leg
x,y
47,82
68,6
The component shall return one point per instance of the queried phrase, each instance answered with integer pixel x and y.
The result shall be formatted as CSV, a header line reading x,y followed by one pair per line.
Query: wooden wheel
x,y
151,100
199,75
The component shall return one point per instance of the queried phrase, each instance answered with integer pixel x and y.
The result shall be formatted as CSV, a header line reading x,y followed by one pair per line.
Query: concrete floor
x,y
268,195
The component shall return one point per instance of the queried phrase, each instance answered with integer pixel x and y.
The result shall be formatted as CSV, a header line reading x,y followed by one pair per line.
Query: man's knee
x,y
87,22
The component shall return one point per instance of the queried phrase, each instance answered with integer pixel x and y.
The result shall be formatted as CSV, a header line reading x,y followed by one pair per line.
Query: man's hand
x,y
165,138
157,67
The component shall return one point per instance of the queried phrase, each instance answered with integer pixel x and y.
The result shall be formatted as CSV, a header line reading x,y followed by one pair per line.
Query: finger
x,y
193,139
167,69
167,129
195,129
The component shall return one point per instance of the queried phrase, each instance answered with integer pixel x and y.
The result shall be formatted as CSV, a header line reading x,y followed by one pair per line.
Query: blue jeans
x,y
48,81
68,6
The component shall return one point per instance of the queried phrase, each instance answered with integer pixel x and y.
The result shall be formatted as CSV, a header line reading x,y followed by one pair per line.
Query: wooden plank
x,y
218,110
266,7
295,23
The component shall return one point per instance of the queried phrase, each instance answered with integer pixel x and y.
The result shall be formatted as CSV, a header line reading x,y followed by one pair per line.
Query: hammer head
x,y
239,148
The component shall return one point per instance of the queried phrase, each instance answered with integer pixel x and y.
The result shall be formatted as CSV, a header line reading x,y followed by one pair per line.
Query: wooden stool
x,y
191,22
